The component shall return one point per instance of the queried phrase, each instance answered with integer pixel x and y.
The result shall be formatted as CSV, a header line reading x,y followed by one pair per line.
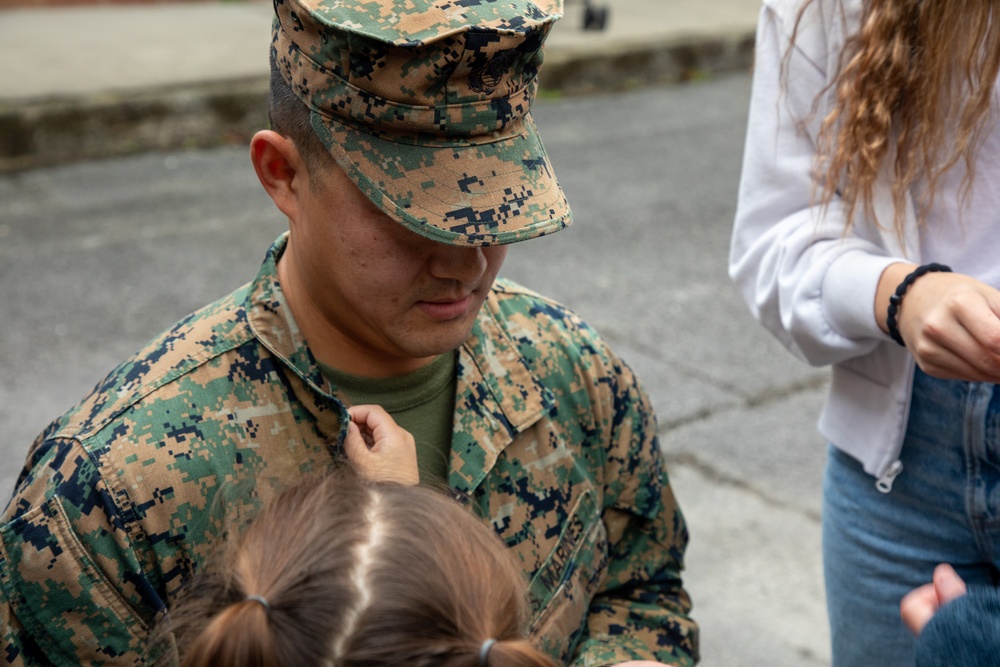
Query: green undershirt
x,y
422,402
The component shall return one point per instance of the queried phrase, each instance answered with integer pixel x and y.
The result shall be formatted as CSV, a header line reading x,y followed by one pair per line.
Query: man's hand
x,y
920,604
950,323
380,449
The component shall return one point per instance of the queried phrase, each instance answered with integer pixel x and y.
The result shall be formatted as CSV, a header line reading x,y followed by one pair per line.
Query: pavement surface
x,y
104,80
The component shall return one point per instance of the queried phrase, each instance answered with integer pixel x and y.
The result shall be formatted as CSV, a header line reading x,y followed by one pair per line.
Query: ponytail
x,y
515,653
239,635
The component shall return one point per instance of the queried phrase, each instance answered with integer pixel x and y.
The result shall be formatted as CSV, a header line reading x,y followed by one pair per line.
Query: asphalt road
x,y
96,258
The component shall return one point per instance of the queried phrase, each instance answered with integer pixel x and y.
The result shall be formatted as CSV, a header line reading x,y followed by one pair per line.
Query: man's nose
x,y
465,265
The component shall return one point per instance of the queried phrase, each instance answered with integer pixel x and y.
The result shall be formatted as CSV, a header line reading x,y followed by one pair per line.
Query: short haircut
x,y
290,117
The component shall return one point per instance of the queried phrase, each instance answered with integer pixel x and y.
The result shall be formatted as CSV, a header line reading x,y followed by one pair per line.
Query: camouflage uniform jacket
x,y
554,442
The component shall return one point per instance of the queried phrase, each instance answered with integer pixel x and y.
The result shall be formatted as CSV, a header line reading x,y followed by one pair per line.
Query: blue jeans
x,y
943,508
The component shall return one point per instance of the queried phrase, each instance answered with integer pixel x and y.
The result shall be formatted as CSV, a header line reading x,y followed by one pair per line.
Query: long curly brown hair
x,y
915,86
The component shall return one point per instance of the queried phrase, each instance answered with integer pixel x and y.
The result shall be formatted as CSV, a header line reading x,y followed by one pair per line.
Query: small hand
x,y
380,449
919,605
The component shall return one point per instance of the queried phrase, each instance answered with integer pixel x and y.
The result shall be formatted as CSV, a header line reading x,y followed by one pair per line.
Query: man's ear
x,y
280,169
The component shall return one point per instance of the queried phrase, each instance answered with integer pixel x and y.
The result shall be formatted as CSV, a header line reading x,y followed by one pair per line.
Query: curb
x,y
616,67
52,131
46,132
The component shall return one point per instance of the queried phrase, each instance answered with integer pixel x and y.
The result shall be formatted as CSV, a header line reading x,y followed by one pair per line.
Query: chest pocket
x,y
563,587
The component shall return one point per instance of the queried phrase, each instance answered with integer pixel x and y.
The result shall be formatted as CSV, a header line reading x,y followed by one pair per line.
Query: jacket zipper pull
x,y
884,483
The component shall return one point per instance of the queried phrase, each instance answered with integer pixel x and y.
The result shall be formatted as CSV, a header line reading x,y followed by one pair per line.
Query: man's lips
x,y
447,308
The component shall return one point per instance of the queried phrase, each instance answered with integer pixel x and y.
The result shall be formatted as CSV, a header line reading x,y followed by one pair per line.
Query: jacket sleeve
x,y
641,610
806,281
70,582
19,649
966,631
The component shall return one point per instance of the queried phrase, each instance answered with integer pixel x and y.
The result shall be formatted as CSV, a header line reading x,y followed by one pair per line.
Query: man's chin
x,y
440,339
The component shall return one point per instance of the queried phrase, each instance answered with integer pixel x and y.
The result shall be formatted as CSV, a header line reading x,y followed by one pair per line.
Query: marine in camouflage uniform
x,y
554,441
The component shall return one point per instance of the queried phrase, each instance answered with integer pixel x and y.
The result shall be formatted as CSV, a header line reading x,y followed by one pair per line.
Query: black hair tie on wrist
x,y
897,298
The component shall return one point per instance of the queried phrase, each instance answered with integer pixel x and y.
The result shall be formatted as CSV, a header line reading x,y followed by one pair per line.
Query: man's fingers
x,y
918,606
947,584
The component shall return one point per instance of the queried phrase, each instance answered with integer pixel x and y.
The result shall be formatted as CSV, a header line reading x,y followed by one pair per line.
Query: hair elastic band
x,y
484,652
896,299
261,600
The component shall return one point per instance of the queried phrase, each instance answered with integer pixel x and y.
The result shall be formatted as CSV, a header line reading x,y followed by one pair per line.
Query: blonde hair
x,y
356,574
914,85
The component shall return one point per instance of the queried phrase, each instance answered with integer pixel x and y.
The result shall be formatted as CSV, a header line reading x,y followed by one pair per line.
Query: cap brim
x,y
476,195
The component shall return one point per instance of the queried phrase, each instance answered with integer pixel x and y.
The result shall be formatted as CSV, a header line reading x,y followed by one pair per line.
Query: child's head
x,y
343,572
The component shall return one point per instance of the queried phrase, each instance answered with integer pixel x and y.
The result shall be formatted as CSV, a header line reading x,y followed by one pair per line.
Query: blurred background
x,y
127,201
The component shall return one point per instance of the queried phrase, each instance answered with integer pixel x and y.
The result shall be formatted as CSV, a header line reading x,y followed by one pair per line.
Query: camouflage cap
x,y
426,104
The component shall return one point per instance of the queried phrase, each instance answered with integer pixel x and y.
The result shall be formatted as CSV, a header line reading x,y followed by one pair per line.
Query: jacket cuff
x,y
849,293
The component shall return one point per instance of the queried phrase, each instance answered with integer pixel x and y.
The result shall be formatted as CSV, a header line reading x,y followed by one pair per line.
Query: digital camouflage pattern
x,y
554,443
425,104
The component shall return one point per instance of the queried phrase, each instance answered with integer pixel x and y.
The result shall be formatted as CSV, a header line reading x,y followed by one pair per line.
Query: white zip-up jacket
x,y
808,283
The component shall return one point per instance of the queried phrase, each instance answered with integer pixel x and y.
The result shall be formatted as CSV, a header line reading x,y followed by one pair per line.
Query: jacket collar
x,y
498,396
271,322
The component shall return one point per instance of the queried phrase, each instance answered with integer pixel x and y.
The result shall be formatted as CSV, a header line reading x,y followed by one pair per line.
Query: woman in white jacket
x,y
872,165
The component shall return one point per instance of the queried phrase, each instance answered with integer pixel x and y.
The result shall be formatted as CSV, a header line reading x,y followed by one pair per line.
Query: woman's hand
x,y
949,322
380,449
